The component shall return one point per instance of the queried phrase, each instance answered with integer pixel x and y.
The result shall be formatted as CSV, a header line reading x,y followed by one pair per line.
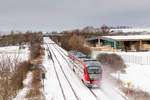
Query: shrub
x,y
42,51
19,74
35,50
136,94
77,43
12,73
36,78
65,42
21,38
114,60
35,92
85,50
74,42
5,74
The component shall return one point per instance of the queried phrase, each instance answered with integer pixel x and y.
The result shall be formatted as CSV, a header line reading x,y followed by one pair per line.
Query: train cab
x,y
94,73
88,69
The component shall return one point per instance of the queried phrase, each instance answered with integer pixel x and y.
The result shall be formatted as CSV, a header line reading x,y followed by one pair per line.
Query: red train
x,y
89,70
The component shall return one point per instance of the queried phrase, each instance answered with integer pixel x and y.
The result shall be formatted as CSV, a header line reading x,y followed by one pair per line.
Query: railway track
x,y
59,49
63,74
50,55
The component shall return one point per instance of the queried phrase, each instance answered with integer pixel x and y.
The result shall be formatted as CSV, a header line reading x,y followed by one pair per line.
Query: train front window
x,y
93,70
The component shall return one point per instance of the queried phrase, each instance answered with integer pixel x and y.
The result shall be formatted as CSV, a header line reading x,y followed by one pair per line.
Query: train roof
x,y
78,54
73,52
92,63
87,61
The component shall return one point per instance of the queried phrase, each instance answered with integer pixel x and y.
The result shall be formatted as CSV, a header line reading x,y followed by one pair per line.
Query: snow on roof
x,y
128,37
132,30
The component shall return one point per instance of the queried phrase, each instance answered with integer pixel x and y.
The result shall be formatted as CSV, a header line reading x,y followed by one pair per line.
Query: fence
x,y
136,59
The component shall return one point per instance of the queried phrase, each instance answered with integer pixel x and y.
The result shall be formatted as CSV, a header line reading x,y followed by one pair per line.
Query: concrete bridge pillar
x,y
115,44
99,42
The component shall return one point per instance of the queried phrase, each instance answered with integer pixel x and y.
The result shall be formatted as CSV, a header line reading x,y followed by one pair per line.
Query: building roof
x,y
127,38
122,38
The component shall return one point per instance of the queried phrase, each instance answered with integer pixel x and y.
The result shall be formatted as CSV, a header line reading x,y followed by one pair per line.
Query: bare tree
x,y
105,29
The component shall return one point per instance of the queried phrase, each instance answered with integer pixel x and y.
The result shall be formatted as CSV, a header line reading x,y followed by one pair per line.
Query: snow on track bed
x,y
56,73
68,91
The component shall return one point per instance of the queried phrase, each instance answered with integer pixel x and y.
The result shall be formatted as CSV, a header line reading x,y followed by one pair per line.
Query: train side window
x,y
84,71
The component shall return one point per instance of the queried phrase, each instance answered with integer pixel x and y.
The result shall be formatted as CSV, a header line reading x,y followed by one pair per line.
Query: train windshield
x,y
93,70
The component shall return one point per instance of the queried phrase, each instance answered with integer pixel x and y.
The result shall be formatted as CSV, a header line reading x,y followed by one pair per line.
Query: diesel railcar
x,y
89,70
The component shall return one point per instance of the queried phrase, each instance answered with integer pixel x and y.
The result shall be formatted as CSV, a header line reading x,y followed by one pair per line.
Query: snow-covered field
x,y
13,52
137,75
137,71
56,91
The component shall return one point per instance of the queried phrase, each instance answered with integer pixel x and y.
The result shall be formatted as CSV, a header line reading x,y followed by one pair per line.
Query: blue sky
x,y
51,15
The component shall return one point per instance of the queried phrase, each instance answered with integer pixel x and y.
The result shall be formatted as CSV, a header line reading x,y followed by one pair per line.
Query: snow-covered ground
x,y
11,49
137,71
14,52
137,75
53,90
